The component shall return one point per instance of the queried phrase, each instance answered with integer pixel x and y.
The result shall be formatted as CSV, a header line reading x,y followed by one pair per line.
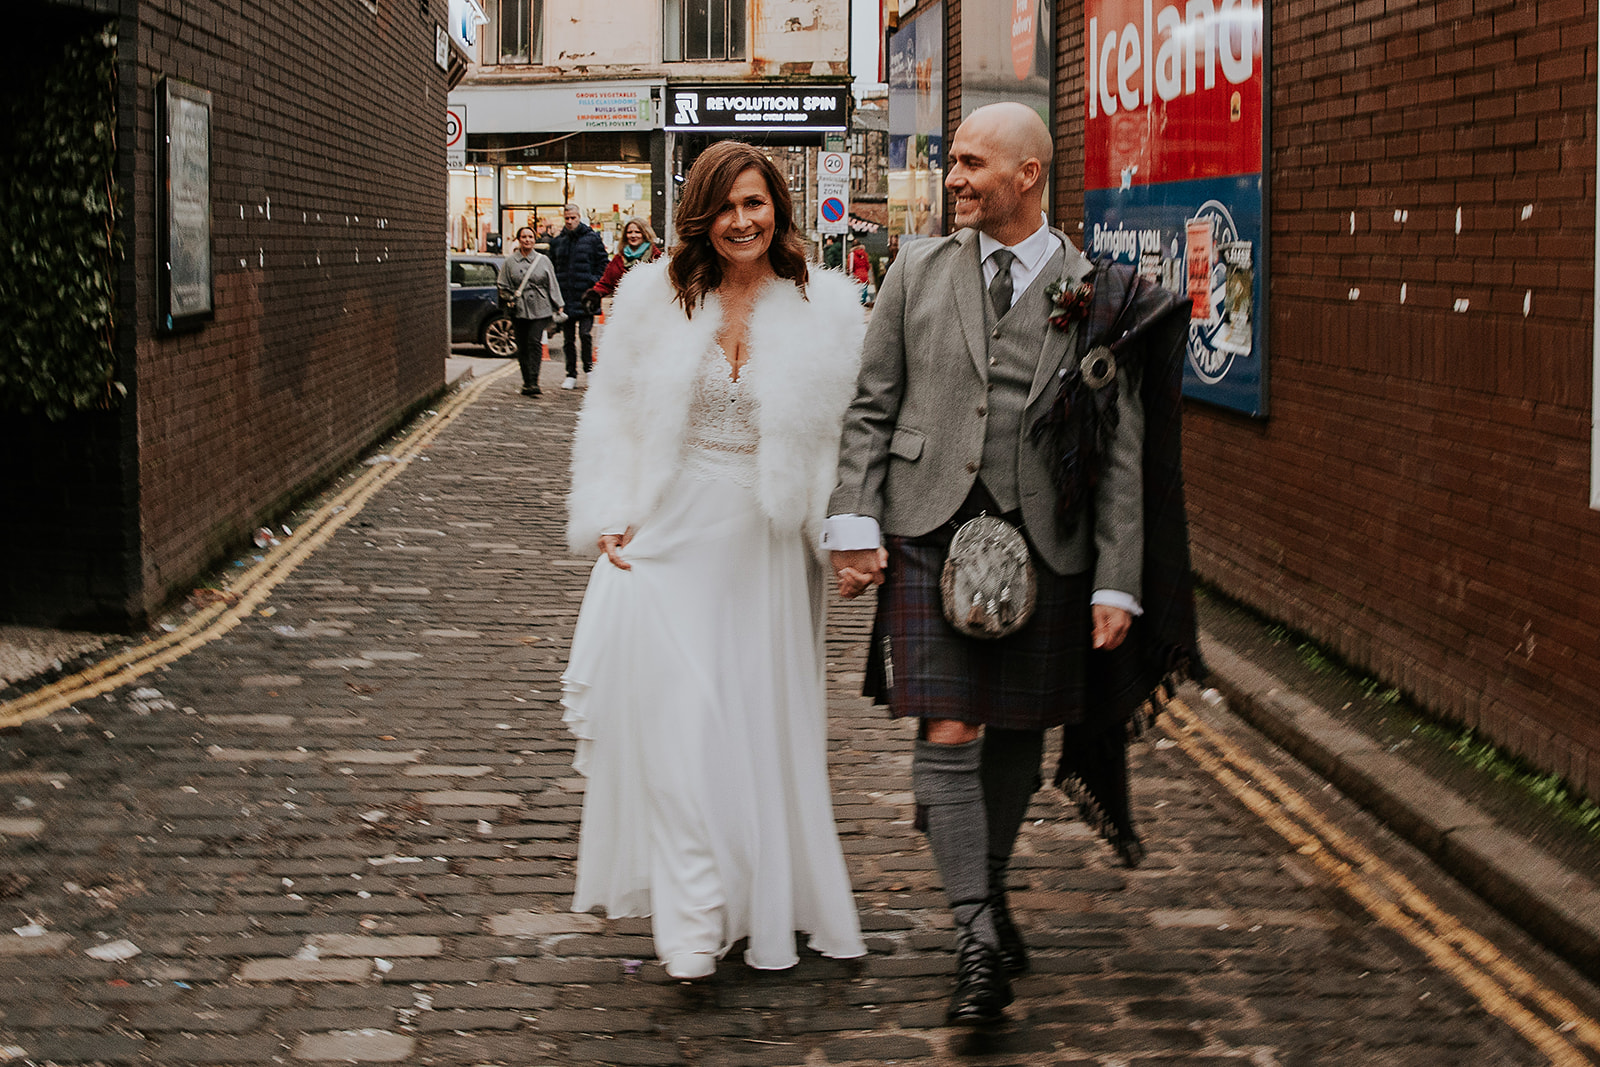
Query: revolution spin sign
x,y
1174,137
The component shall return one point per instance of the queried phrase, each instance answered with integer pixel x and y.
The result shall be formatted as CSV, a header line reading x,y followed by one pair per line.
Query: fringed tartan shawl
x,y
1146,328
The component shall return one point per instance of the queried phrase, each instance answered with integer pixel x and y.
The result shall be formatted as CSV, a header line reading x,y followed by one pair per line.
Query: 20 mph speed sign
x,y
833,191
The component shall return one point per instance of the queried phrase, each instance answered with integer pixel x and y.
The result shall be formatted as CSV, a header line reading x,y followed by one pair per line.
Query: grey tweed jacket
x,y
913,438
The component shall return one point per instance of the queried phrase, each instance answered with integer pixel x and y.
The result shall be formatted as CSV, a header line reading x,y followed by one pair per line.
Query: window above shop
x,y
515,33
702,29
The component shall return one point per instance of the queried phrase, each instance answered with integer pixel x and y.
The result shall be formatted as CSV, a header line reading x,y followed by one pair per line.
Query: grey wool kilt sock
x,y
1010,775
945,781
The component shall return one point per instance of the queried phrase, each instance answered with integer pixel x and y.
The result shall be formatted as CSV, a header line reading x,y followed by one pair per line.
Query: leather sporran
x,y
988,586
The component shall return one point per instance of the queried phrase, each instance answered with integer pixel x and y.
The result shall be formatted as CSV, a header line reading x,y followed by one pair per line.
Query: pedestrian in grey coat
x,y
528,281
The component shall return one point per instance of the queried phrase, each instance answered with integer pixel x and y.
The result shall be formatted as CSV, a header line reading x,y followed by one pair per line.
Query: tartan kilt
x,y
1044,675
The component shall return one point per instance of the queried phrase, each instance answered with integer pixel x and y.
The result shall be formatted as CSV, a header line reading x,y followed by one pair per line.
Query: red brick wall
x,y
952,96
331,313
1417,499
1066,209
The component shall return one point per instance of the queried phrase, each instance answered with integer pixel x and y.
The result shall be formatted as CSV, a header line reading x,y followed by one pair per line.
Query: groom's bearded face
x,y
984,178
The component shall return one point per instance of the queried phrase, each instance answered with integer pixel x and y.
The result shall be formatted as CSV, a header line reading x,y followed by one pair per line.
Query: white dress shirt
x,y
1032,253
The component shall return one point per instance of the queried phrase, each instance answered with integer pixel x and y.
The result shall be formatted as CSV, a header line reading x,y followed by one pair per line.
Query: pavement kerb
x,y
1555,904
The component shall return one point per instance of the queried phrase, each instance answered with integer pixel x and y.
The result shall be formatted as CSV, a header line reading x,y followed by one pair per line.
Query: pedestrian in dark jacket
x,y
580,258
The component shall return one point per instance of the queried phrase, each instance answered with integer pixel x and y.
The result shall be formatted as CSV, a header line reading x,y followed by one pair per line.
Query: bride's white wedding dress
x,y
695,688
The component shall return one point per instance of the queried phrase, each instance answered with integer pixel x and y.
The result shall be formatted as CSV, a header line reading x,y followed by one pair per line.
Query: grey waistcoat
x,y
1014,345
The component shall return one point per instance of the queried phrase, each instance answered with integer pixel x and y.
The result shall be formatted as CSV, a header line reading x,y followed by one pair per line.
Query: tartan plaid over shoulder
x,y
1147,329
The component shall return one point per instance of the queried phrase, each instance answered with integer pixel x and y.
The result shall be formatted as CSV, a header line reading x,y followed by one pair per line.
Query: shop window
x,y
702,29
515,33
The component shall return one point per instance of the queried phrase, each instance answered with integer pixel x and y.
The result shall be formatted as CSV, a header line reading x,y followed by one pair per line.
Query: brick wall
x,y
1067,174
328,190
1417,500
952,96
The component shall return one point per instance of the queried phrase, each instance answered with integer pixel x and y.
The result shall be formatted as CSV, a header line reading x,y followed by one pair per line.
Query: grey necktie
x,y
1000,287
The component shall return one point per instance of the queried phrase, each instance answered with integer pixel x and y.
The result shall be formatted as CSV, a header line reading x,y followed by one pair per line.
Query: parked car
x,y
475,315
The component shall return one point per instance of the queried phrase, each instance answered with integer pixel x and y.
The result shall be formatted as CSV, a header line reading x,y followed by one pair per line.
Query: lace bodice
x,y
722,436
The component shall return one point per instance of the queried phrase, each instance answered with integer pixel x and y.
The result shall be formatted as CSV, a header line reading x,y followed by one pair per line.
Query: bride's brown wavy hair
x,y
696,269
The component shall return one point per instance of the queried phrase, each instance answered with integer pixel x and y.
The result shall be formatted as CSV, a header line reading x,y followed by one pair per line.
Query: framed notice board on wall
x,y
183,207
1174,152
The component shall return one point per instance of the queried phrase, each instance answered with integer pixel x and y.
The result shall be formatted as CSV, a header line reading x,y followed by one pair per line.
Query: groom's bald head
x,y
1019,128
999,158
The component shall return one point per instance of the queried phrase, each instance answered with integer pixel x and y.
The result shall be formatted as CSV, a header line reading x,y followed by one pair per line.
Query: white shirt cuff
x,y
617,530
846,533
1112,598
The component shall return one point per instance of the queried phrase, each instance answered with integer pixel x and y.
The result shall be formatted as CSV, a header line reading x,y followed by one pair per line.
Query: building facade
x,y
606,105
279,301
868,146
1413,479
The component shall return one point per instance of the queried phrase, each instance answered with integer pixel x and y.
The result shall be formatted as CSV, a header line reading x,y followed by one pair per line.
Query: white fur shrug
x,y
804,354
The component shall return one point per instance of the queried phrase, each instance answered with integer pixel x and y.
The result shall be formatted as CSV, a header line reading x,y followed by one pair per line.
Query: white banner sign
x,y
559,108
833,192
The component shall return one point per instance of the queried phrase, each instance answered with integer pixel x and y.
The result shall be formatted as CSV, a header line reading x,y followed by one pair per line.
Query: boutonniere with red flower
x,y
1069,303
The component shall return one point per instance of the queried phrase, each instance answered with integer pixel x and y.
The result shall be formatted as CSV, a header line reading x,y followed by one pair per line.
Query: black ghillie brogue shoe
x,y
1013,952
982,988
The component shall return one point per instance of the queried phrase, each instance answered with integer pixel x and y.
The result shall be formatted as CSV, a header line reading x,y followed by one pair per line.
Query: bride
x,y
701,468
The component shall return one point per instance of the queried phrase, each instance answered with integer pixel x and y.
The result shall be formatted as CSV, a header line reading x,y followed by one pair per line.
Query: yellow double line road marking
x,y
1548,1021
251,586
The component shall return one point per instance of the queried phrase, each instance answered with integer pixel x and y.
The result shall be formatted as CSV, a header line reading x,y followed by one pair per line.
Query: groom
x,y
960,361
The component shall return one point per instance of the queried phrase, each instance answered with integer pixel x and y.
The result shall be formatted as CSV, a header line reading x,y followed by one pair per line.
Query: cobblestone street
x,y
343,831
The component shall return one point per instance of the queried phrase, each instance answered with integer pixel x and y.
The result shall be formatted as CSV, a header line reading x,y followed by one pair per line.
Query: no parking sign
x,y
833,192
455,136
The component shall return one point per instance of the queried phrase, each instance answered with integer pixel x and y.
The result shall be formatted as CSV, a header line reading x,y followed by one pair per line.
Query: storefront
x,y
530,149
610,147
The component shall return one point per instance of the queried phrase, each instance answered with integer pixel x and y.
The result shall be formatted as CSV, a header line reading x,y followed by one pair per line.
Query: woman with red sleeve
x,y
638,246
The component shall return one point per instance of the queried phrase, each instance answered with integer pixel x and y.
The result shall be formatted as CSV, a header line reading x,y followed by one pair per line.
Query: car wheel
x,y
500,336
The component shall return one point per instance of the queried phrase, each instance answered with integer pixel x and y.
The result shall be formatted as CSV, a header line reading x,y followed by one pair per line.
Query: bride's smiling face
x,y
742,231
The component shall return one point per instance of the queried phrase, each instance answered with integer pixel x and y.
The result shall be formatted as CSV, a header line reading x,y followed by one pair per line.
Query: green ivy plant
x,y
59,213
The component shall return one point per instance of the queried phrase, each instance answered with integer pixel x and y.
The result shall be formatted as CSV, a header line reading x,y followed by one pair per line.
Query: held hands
x,y
859,568
613,544
1110,626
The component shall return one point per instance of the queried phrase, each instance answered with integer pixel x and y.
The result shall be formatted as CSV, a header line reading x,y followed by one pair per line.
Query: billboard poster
x,y
1007,53
916,125
1173,164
